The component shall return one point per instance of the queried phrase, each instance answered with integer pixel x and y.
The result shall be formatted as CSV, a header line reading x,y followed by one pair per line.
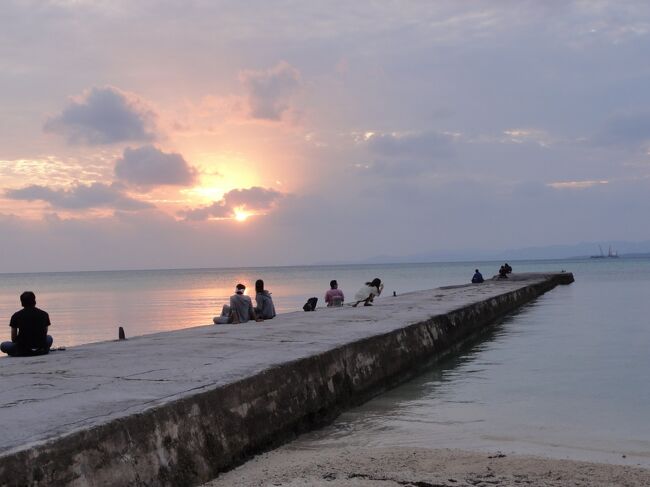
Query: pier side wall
x,y
191,440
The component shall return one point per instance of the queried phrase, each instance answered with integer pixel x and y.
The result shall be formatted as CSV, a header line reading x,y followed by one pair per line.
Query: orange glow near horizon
x,y
231,162
203,194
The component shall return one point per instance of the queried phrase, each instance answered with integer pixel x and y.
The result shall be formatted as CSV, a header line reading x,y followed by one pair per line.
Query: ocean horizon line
x,y
296,266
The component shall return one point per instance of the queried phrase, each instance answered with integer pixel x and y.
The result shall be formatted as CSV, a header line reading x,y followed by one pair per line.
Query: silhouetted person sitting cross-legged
x,y
28,330
477,278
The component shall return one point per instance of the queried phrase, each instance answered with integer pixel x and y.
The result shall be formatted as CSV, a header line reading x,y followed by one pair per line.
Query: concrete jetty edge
x,y
191,440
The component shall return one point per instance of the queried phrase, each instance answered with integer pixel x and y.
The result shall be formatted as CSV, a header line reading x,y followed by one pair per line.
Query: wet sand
x,y
417,467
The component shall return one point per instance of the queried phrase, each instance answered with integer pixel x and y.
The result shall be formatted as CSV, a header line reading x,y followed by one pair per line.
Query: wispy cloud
x,y
79,197
577,184
527,135
56,170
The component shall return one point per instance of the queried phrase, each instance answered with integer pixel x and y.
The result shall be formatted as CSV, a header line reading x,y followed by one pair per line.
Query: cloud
x,y
254,199
576,184
420,145
79,197
625,130
104,115
407,154
524,135
270,91
149,166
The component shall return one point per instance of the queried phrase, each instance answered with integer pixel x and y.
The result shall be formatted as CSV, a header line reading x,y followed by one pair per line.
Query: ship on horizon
x,y
611,254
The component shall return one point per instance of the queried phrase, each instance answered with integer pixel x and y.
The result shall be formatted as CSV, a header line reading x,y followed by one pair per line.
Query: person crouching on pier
x,y
265,308
240,309
334,296
28,330
368,292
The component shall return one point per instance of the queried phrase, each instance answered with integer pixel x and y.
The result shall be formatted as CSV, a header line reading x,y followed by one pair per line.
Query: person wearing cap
x,y
334,296
240,309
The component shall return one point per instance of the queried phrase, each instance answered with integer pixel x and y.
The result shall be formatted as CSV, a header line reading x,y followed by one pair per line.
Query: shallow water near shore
x,y
567,376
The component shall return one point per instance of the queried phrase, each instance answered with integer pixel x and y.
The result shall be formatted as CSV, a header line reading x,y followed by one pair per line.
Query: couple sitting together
x,y
241,310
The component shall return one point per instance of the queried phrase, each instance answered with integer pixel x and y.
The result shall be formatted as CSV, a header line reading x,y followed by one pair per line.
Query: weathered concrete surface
x,y
177,408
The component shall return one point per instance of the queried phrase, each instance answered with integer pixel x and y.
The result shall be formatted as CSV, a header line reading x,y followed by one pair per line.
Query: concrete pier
x,y
177,408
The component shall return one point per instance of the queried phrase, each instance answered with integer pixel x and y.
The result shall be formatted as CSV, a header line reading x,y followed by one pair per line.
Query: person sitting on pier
x,y
265,308
503,272
508,268
477,278
28,329
367,293
240,309
334,296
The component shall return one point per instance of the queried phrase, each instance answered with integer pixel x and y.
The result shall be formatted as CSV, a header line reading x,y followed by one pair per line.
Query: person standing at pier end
x,y
28,330
334,296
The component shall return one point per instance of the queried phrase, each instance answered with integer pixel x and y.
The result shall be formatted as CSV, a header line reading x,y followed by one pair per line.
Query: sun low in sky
x,y
241,215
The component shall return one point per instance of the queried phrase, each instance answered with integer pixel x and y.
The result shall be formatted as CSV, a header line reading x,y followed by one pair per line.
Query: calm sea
x,y
88,307
566,376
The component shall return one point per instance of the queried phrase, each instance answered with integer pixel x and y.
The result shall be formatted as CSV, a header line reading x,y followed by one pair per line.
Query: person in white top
x,y
368,292
240,309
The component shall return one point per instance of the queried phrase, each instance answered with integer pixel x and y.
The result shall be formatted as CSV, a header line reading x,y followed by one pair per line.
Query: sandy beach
x,y
417,467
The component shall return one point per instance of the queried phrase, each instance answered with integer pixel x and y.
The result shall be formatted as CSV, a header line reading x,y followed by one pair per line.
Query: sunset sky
x,y
198,133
